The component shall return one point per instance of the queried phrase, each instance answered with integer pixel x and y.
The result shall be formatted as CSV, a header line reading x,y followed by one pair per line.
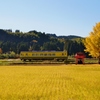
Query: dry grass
x,y
58,82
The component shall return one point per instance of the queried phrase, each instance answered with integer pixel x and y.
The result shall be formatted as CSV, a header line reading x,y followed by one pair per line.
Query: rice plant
x,y
58,82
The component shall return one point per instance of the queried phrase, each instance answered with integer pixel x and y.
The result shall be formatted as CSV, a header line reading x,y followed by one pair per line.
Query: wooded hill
x,y
33,40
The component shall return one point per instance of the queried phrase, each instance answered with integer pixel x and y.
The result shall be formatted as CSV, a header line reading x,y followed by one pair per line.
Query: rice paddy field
x,y
50,82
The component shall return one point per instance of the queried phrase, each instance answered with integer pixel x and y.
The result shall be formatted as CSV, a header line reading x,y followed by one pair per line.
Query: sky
x,y
60,17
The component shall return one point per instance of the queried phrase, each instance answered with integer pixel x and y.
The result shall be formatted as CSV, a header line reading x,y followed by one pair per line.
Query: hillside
x,y
33,40
64,37
17,36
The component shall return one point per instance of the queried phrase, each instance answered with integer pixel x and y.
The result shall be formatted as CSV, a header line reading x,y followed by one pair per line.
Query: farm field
x,y
50,82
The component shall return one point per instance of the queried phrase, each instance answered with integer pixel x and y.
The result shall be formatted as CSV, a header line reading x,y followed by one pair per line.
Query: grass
x,y
69,61
58,82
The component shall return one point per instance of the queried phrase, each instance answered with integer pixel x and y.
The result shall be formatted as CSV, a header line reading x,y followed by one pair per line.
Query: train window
x,y
21,54
41,54
26,54
49,54
45,54
53,54
62,53
36,54
33,54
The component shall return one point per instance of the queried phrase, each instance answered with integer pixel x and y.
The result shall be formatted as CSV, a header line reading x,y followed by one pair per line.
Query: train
x,y
43,55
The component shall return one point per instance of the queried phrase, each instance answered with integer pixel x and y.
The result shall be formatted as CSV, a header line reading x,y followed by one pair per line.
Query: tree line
x,y
15,42
37,41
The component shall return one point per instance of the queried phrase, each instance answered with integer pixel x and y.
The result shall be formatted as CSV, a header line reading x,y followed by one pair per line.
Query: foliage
x,y
18,41
10,54
0,50
92,42
74,46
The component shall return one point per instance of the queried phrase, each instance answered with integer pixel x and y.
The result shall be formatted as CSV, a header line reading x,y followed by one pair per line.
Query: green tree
x,y
22,46
92,42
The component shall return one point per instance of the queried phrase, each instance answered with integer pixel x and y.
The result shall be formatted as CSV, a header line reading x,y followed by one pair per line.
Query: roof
x,y
79,55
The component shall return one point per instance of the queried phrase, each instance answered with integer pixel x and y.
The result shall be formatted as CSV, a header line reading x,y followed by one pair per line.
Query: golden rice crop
x,y
59,82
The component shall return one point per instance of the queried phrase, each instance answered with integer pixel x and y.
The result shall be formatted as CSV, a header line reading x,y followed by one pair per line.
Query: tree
x,y
0,50
22,46
92,42
66,44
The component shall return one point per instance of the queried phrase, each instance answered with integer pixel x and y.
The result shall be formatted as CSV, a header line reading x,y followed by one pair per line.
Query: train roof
x,y
43,51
